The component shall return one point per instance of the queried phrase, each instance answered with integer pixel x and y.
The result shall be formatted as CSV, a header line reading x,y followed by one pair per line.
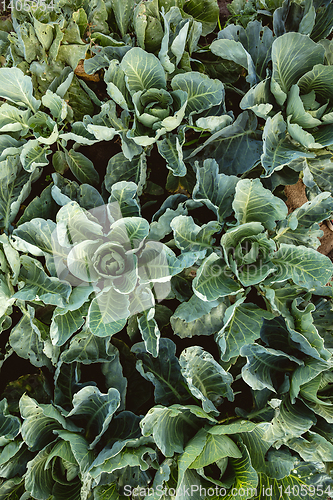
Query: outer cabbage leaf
x,y
312,447
278,150
123,13
236,148
205,449
108,313
214,279
150,331
38,285
190,237
205,11
82,167
315,269
15,187
262,364
215,190
170,148
119,168
304,477
202,91
256,40
9,425
316,394
234,51
297,228
318,79
142,457
38,481
245,477
86,348
37,238
296,111
143,71
172,426
27,339
163,371
40,420
254,203
242,324
297,48
197,317
207,380
13,119
290,421
66,321
18,88
97,408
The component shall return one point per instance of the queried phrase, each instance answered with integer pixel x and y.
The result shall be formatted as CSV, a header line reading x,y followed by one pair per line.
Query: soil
x,y
224,12
296,197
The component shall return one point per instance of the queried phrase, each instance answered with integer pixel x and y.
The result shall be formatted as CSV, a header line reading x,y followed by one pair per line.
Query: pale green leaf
x,y
33,155
38,480
15,187
197,317
254,203
162,371
318,79
39,286
82,167
216,447
206,12
56,105
66,321
150,332
232,50
242,324
202,91
207,380
170,148
241,136
214,279
9,425
119,168
246,477
13,119
108,313
97,408
215,190
303,265
129,457
190,237
40,420
123,12
296,110
172,426
263,364
278,150
312,448
18,88
297,48
290,421
26,338
143,70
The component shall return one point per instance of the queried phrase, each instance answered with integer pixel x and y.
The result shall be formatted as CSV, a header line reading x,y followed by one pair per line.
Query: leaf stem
x,y
235,89
234,417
